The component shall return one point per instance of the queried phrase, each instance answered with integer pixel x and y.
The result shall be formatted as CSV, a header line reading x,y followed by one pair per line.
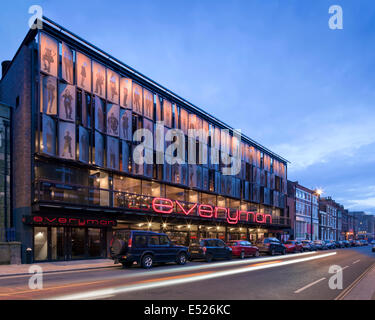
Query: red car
x,y
293,246
243,249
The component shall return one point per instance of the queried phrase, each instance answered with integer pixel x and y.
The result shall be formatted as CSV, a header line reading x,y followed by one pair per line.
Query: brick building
x,y
76,109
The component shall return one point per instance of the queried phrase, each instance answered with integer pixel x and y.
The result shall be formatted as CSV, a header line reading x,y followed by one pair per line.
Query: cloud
x,y
327,141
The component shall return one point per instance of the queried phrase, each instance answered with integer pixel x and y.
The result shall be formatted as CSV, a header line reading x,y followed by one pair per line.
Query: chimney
x,y
4,66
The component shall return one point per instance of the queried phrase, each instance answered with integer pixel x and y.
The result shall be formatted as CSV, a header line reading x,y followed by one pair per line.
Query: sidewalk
x,y
364,289
23,269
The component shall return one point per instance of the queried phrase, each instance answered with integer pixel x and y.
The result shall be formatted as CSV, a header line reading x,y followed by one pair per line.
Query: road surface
x,y
294,276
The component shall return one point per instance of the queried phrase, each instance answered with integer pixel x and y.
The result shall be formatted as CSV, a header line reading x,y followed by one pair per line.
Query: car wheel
x,y
181,258
272,252
257,254
242,255
209,257
284,252
147,261
229,256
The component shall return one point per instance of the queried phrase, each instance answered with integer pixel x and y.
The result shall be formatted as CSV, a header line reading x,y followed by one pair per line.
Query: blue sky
x,y
270,68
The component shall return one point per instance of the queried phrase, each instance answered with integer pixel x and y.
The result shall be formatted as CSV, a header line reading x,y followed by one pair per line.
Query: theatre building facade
x,y
74,177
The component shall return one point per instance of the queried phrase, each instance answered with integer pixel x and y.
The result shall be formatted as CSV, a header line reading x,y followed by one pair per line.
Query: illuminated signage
x,y
168,206
68,221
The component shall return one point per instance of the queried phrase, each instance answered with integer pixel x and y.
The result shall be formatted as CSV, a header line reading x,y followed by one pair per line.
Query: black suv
x,y
145,248
271,246
209,249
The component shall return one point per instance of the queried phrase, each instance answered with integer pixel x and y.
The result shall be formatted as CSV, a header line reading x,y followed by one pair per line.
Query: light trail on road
x,y
167,281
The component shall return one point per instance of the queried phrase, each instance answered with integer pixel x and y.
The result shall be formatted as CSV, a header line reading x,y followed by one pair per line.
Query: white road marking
x,y
163,283
309,285
356,261
344,267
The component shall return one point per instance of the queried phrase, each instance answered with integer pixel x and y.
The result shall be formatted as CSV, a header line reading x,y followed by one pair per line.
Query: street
x,y
294,276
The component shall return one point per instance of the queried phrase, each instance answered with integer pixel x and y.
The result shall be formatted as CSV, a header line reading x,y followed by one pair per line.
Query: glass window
x,y
40,243
175,193
220,244
164,240
140,241
208,199
78,243
94,242
153,240
57,239
151,189
126,184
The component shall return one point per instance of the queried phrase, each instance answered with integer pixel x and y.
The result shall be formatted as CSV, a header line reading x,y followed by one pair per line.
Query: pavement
x,y
23,269
303,276
364,288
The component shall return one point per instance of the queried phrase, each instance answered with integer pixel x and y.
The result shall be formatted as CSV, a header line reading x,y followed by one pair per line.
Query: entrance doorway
x,y
69,243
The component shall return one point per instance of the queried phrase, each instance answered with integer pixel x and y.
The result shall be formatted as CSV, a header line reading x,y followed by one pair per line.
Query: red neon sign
x,y
168,206
68,221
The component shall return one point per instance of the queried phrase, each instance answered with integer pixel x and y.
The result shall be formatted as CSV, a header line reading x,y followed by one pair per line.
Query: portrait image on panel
x,y
192,121
192,175
184,120
67,102
125,156
125,124
137,98
158,109
112,153
83,71
184,174
148,99
67,140
99,149
98,79
149,125
84,115
126,93
67,63
167,113
49,95
48,55
49,135
84,143
113,80
113,115
99,114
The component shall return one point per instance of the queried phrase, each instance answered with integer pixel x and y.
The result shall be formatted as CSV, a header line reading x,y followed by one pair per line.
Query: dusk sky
x,y
273,69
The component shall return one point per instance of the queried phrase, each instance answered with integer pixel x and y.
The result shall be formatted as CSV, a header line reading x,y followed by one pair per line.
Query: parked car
x,y
358,243
364,242
373,247
293,246
209,249
271,246
372,242
347,244
330,244
145,248
308,245
320,245
243,249
339,244
352,243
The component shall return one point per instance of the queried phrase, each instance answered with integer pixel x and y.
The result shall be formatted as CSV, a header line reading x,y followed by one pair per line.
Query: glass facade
x,y
6,221
88,117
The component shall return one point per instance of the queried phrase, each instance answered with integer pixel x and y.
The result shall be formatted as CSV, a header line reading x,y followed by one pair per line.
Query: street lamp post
x,y
317,192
